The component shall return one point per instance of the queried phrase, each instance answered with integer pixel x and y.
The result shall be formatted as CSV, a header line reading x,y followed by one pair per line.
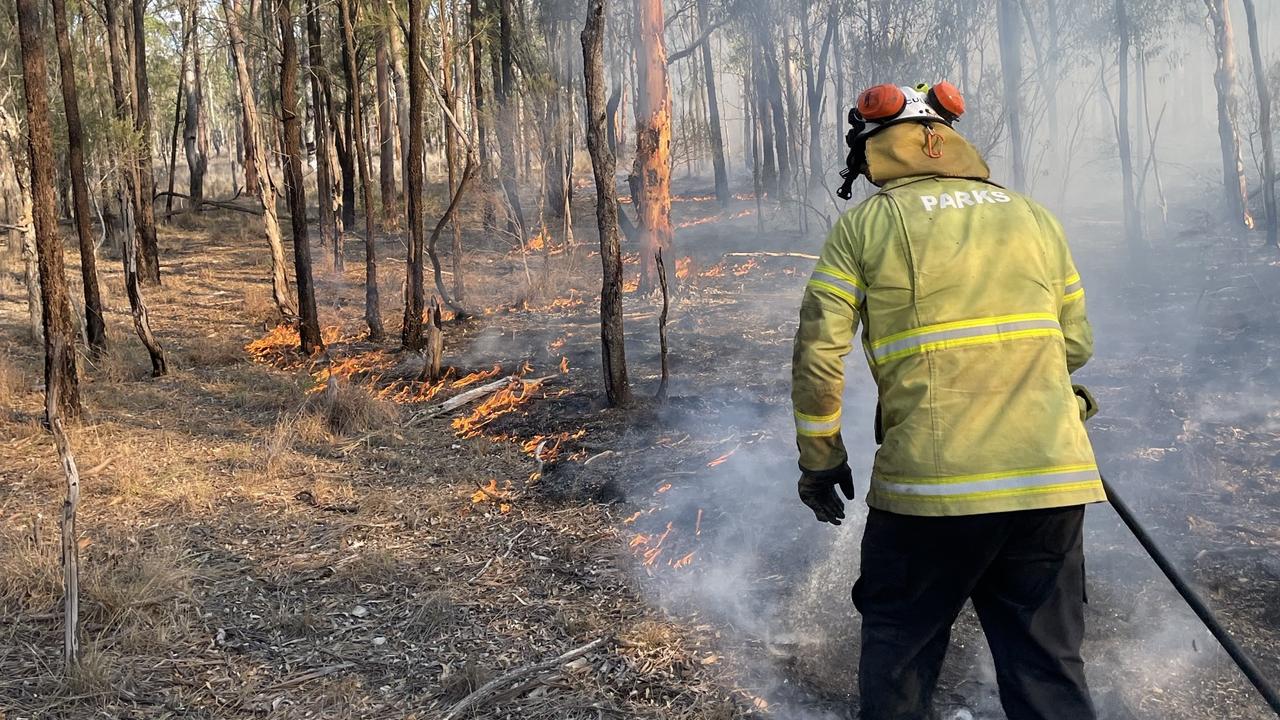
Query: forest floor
x,y
267,535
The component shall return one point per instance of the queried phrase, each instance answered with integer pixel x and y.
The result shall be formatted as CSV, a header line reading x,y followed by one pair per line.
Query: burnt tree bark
x,y
308,318
95,327
815,86
192,84
386,128
1132,213
255,157
146,216
1235,187
503,87
129,190
612,352
652,168
1264,127
59,334
414,305
713,111
1009,29
322,111
372,305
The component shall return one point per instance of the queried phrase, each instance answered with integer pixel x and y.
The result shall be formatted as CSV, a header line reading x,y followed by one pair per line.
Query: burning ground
x,y
270,535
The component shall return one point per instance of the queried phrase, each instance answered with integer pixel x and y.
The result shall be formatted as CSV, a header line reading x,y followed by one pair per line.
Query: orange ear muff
x,y
881,102
947,100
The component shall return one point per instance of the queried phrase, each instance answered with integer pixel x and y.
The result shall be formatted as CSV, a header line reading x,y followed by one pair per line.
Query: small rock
x,y
378,641
359,611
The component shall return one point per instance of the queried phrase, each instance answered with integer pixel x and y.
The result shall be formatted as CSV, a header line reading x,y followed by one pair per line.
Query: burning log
x,y
772,254
433,345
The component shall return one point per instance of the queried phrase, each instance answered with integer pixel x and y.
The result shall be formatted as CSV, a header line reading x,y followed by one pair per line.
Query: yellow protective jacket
x,y
973,319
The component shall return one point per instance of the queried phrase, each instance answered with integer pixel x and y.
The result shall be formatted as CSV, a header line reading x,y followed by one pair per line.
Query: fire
x,y
692,198
713,271
555,345
280,346
564,365
496,405
476,377
631,285
371,365
745,267
721,460
683,266
683,562
1248,220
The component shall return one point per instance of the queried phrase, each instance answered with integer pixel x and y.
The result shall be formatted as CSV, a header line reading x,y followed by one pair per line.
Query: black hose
x,y
1237,653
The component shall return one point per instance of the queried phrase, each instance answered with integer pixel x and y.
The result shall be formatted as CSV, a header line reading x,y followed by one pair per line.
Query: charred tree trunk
x,y
1132,213
815,87
411,333
713,111
386,130
59,334
255,156
475,22
308,318
504,86
372,309
329,235
1264,127
130,254
653,138
1234,185
612,352
149,262
346,156
192,84
95,327
1009,28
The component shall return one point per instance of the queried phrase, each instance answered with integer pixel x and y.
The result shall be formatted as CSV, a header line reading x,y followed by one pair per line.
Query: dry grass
x,y
218,351
350,410
259,307
13,380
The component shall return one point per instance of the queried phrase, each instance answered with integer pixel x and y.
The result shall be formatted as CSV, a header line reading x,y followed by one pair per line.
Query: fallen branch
x,y
474,394
70,546
803,256
221,204
487,691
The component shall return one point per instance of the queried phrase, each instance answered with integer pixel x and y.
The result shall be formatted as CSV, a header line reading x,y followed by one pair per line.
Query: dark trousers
x,y
1025,573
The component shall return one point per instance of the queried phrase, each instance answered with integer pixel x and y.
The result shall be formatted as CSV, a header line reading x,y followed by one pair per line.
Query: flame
x,y
475,377
721,460
682,562
564,365
555,345
488,491
1248,220
280,345
683,266
631,285
714,218
713,271
745,267
496,405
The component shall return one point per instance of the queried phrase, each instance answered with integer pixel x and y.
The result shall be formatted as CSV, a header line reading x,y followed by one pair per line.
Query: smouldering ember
x,y
745,267
723,458
718,217
683,267
564,365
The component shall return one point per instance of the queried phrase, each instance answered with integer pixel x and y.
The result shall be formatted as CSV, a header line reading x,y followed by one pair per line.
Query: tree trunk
x,y
59,334
372,309
713,111
1009,28
130,254
187,34
95,327
146,217
613,354
815,87
475,22
653,139
1132,213
386,130
1264,127
255,156
400,82
346,156
411,332
504,86
193,87
1235,187
308,319
329,235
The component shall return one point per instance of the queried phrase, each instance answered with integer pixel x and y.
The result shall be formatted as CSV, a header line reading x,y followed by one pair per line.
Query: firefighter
x,y
972,320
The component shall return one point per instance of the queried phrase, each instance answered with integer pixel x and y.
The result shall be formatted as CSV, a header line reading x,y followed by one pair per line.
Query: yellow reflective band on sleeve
x,y
817,425
962,333
840,284
1074,289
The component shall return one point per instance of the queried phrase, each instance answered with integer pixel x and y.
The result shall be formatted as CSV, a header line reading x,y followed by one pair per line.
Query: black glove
x,y
818,491
1088,405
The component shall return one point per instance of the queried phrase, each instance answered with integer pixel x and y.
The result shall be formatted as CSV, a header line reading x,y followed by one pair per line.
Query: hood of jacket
x,y
903,150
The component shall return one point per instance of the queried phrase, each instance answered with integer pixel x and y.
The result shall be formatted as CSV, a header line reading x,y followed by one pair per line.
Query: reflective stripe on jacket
x,y
973,317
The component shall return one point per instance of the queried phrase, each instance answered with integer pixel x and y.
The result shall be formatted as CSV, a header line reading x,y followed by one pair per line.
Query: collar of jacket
x,y
901,151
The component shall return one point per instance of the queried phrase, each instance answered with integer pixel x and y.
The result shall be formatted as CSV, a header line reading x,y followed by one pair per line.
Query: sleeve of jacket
x,y
1071,313
828,324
